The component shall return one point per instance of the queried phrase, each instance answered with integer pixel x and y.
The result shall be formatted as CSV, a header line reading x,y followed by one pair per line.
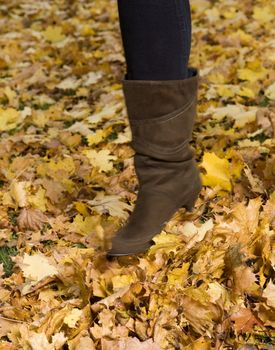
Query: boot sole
x,y
137,249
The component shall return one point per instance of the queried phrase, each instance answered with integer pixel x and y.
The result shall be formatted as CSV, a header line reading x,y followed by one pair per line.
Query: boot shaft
x,y
161,116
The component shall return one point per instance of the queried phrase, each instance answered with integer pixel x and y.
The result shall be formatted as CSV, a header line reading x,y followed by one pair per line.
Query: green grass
x,y
5,254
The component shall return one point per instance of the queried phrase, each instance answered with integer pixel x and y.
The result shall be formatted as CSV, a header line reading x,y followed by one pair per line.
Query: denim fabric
x,y
156,36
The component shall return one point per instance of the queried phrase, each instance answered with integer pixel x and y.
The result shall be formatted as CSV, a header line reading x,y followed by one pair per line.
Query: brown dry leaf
x,y
256,184
85,343
129,344
32,219
248,219
244,280
269,294
266,314
7,346
200,316
244,320
54,189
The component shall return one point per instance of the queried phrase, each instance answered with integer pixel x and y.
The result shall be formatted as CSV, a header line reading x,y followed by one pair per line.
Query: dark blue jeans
x,y
156,36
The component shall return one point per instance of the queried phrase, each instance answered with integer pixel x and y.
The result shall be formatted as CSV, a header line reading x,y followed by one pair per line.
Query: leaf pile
x,y
67,182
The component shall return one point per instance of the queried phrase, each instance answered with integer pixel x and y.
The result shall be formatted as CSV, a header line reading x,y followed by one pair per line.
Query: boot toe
x,y
121,248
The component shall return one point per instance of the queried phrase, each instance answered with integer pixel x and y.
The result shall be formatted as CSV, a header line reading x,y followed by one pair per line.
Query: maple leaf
x,y
9,118
69,83
244,320
85,343
53,34
18,192
73,317
92,78
32,219
110,203
263,14
217,171
241,114
40,341
269,294
96,137
85,225
270,92
121,281
36,267
101,159
129,344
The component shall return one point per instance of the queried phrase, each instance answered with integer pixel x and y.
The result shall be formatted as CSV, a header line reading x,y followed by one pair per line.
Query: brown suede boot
x,y
161,117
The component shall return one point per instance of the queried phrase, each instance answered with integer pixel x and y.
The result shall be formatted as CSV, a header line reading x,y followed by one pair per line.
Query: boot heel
x,y
190,203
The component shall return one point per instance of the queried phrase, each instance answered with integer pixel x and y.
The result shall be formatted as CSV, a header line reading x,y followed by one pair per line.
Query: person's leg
x,y
156,38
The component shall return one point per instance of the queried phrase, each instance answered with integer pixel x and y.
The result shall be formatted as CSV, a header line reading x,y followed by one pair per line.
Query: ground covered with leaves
x,y
67,183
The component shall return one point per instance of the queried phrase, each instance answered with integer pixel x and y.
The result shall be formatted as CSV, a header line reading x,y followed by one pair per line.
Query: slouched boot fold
x,y
161,115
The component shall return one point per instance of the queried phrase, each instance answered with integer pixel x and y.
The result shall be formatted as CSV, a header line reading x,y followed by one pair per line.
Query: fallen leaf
x,y
217,171
36,267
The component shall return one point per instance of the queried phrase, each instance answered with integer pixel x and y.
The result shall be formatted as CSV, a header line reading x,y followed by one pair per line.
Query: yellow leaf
x,y
200,5
216,78
178,275
110,203
99,53
166,242
121,281
166,238
244,37
255,64
72,317
246,92
224,91
18,193
57,169
96,137
230,13
86,30
215,291
237,163
53,34
212,14
115,87
199,344
270,92
36,267
263,14
252,75
10,94
9,119
241,114
85,226
193,234
81,208
38,200
101,159
217,171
